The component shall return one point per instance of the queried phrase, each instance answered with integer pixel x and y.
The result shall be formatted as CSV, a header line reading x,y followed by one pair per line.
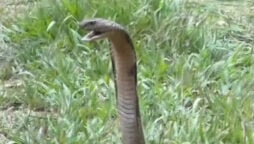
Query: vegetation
x,y
195,72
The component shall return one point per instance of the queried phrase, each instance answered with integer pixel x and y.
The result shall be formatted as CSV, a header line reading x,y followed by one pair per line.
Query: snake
x,y
124,64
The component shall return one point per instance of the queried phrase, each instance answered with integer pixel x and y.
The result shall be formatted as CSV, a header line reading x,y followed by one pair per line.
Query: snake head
x,y
99,28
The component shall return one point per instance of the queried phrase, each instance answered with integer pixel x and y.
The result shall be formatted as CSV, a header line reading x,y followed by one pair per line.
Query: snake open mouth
x,y
93,35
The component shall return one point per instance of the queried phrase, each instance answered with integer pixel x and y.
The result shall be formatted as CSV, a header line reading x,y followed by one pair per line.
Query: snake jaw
x,y
97,29
94,35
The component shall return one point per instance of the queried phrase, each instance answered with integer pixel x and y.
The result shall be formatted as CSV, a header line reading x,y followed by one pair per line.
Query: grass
x,y
195,72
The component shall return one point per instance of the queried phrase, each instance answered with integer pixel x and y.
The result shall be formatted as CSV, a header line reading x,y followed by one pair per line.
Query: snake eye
x,y
92,23
87,24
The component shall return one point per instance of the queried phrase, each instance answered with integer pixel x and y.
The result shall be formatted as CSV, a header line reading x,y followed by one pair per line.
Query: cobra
x,y
125,75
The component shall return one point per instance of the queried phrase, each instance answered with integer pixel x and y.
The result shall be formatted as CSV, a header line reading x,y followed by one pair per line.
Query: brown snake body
x,y
124,67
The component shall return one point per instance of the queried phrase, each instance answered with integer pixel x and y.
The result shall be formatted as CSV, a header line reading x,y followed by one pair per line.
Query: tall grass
x,y
195,74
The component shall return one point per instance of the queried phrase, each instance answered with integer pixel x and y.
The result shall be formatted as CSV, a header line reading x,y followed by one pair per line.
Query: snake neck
x,y
124,60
